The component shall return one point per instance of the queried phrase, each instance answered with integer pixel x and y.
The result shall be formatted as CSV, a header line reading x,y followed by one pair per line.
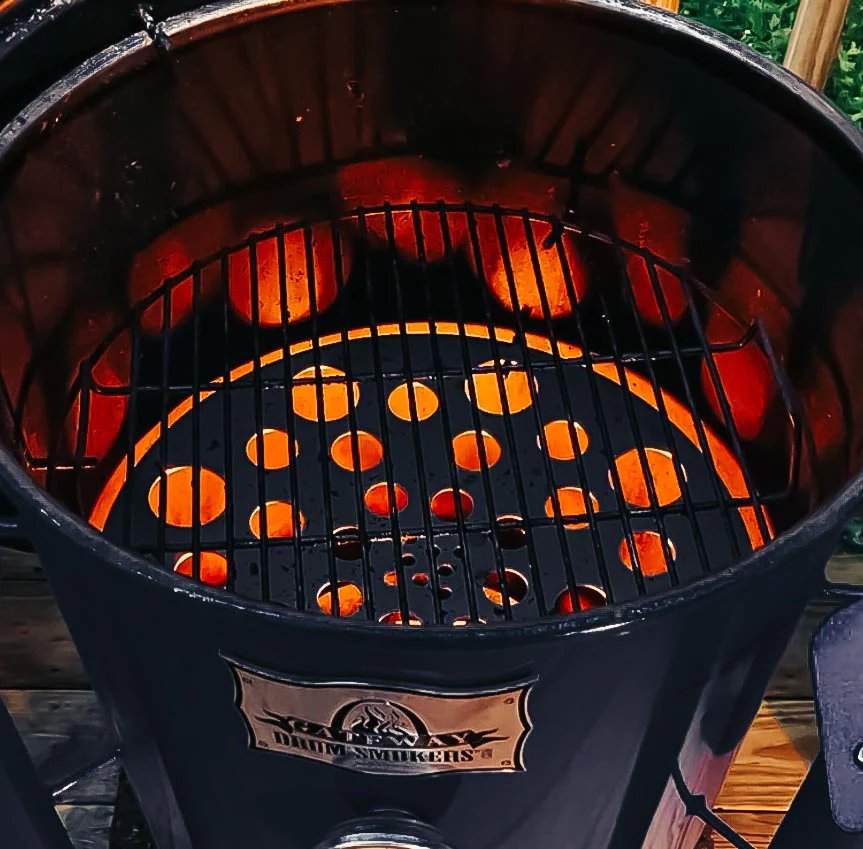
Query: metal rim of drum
x,y
814,115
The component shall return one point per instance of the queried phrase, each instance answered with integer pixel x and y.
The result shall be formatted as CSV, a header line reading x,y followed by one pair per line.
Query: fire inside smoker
x,y
429,472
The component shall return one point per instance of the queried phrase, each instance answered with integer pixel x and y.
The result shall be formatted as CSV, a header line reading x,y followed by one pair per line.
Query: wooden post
x,y
668,5
814,41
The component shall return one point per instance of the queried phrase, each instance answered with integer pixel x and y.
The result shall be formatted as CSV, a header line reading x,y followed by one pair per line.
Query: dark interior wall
x,y
572,96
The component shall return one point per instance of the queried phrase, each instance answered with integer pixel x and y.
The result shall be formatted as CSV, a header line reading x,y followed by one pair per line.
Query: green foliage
x,y
765,25
845,85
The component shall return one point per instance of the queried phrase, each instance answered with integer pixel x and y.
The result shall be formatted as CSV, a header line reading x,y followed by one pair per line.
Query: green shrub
x,y
765,25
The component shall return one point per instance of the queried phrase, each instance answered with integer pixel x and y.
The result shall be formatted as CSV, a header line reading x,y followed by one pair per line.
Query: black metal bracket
x,y
696,806
838,676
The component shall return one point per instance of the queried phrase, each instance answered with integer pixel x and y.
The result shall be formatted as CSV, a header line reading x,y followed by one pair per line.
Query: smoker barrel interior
x,y
522,317
312,177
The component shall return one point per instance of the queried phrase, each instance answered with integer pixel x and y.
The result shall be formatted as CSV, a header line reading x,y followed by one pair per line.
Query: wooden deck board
x,y
773,759
89,826
758,827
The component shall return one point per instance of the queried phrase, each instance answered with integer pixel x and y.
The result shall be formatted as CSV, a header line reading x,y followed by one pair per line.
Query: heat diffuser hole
x,y
278,449
423,405
649,551
515,587
571,503
511,533
491,397
586,597
347,543
378,500
212,567
394,617
661,468
331,386
446,504
358,451
559,439
283,520
179,496
474,451
349,597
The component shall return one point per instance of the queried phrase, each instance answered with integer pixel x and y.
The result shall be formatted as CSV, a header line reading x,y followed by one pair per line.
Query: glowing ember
x,y
649,551
260,293
348,596
212,566
571,502
179,496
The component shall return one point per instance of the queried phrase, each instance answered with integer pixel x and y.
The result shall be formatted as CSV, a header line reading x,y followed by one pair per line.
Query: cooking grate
x,y
431,414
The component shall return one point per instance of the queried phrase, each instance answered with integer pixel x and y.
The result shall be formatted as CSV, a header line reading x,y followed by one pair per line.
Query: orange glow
x,y
464,621
165,258
660,228
171,254
403,180
818,392
571,502
377,498
112,370
425,401
744,294
181,296
17,356
516,587
348,596
391,578
744,375
587,598
278,449
297,285
558,439
394,617
726,465
369,451
649,551
283,520
529,286
213,567
468,454
443,505
179,496
405,236
487,388
634,484
644,292
313,382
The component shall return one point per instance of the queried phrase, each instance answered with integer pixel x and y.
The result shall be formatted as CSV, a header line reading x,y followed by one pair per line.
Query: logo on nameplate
x,y
385,730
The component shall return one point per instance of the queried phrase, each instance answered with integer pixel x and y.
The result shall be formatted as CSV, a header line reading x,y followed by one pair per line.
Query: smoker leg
x,y
27,815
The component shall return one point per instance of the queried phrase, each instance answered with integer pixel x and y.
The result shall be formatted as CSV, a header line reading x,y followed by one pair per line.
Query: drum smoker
x,y
432,417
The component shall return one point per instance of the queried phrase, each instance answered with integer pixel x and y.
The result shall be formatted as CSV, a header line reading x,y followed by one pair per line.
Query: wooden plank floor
x,y
42,682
